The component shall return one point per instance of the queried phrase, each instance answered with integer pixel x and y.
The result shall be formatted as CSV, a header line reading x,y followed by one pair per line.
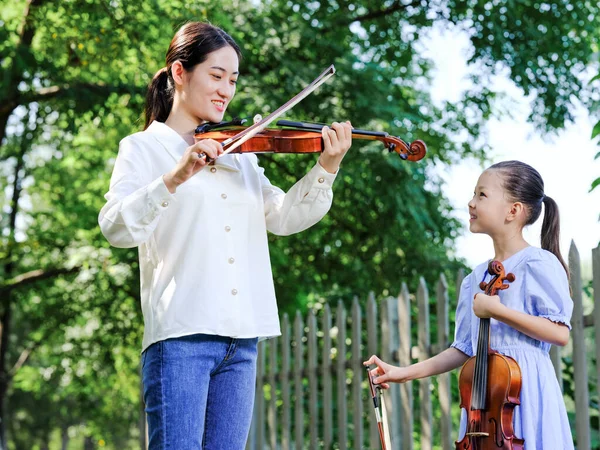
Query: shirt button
x,y
321,180
231,260
213,169
234,292
228,228
164,204
223,196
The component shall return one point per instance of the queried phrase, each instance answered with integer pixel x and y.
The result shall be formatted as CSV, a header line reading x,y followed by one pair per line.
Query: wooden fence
x,y
312,388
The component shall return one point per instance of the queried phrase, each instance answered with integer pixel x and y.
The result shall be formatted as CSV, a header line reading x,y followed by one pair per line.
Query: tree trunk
x,y
6,314
64,438
88,444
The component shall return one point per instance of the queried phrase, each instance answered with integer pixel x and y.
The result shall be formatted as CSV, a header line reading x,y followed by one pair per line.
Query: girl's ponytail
x,y
524,184
551,230
159,98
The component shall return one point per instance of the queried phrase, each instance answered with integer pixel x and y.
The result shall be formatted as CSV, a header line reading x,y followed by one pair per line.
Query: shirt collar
x,y
175,145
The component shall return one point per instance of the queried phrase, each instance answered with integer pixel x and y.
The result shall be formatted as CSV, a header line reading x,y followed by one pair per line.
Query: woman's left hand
x,y
337,140
486,306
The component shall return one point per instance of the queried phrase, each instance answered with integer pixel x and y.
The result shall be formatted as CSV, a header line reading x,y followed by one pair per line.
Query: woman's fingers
x,y
209,147
343,133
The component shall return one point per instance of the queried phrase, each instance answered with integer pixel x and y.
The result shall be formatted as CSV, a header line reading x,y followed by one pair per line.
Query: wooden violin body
x,y
490,385
491,428
306,138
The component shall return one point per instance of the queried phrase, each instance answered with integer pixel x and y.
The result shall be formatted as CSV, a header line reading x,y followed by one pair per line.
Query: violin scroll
x,y
496,269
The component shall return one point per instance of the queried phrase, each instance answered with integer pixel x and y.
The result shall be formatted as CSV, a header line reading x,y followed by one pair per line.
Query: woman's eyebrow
x,y
222,69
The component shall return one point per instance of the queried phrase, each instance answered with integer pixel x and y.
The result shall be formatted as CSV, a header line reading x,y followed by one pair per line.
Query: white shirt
x,y
204,256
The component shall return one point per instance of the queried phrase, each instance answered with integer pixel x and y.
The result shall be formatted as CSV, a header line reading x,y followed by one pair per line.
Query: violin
x,y
490,385
301,137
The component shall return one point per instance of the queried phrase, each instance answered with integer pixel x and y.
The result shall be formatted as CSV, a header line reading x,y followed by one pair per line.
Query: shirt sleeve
x,y
135,201
547,290
302,206
464,315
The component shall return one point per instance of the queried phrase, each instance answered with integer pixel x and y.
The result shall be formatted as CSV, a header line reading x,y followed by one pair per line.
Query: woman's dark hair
x,y
524,184
191,45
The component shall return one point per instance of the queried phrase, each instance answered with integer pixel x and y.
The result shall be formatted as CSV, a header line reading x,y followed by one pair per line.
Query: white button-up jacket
x,y
203,251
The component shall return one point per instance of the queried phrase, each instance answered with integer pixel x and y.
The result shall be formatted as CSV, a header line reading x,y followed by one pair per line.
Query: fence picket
x,y
285,383
405,359
272,406
389,346
342,404
444,388
326,379
596,313
371,350
582,421
298,389
424,383
357,376
313,387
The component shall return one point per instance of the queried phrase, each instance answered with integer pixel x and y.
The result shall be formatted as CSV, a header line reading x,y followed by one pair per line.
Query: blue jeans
x,y
199,392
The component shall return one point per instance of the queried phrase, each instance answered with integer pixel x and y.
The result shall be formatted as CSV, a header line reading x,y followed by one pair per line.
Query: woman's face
x,y
209,86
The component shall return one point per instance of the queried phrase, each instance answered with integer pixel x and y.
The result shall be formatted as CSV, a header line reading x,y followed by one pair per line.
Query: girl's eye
x,y
481,194
217,77
233,81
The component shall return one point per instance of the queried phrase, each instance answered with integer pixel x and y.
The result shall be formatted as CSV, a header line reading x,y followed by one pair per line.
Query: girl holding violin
x,y
200,219
526,316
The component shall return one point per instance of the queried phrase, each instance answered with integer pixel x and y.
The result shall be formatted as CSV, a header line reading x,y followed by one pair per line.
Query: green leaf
x,y
595,184
596,130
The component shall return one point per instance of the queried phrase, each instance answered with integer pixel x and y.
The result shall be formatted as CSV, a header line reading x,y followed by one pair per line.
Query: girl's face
x,y
209,86
489,206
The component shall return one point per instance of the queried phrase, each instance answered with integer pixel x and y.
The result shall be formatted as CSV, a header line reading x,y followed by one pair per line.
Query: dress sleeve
x,y
547,290
464,316
302,206
134,201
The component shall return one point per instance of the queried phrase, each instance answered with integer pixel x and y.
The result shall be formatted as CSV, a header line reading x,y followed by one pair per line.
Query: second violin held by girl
x,y
524,320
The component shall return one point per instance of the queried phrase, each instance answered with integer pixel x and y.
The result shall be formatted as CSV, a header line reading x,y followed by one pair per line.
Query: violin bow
x,y
380,413
256,128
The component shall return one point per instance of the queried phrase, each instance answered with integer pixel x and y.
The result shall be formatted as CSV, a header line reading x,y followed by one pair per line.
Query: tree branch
x,y
376,14
35,276
48,93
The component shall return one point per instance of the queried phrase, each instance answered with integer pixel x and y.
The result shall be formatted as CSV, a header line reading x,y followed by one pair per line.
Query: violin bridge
x,y
478,434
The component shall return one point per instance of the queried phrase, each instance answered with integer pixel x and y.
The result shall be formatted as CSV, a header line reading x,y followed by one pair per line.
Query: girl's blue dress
x,y
541,289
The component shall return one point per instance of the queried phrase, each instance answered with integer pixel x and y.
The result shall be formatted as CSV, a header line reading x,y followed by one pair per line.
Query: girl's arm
x,y
539,328
445,361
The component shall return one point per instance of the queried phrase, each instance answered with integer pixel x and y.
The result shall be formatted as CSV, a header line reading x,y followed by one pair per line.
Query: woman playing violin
x,y
201,229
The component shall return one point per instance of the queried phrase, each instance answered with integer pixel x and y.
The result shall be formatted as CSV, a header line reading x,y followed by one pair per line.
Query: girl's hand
x,y
485,306
386,372
191,163
337,140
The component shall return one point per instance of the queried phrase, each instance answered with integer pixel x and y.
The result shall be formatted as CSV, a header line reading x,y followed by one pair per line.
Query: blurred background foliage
x,y
72,84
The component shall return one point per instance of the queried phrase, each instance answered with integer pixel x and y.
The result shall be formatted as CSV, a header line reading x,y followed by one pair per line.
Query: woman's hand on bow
x,y
192,162
337,140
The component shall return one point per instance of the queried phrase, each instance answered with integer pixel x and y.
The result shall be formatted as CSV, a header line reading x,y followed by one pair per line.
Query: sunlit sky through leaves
x,y
566,161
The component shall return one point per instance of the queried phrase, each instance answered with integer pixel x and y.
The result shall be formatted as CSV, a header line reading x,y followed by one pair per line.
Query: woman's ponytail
x,y
550,235
159,98
191,45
